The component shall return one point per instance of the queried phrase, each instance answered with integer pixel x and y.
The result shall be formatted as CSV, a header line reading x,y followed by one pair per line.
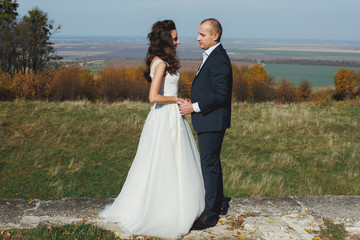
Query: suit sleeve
x,y
220,78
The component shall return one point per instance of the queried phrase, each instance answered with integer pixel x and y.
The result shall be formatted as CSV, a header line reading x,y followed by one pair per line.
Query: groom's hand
x,y
185,106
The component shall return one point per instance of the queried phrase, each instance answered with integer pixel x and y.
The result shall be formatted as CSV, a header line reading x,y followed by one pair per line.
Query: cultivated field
x,y
131,52
186,65
319,76
51,150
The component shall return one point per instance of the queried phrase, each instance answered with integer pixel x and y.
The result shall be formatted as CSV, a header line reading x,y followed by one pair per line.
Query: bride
x,y
163,193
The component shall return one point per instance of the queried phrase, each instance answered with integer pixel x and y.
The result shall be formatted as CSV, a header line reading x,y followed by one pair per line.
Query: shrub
x,y
240,85
185,83
33,86
67,84
303,91
285,91
346,82
87,81
358,84
259,84
6,88
264,92
107,84
323,97
133,84
126,83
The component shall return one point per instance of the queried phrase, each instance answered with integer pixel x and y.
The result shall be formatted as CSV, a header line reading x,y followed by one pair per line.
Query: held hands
x,y
185,106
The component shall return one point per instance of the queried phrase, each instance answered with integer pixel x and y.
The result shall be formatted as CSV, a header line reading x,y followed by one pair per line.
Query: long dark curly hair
x,y
162,45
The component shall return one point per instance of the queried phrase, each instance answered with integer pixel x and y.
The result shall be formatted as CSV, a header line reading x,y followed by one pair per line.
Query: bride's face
x,y
175,38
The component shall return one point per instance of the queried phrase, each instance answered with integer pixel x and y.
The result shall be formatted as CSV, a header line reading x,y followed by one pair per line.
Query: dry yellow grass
x,y
296,149
85,149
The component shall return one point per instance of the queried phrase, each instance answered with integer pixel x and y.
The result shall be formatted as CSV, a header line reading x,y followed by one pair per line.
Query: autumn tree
x,y
240,88
33,86
259,83
185,83
346,82
133,84
6,87
303,91
285,91
358,83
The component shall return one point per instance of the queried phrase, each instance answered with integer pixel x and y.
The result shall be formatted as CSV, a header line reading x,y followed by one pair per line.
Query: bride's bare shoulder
x,y
155,59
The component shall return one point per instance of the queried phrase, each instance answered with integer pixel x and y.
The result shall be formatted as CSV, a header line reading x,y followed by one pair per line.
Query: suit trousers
x,y
210,148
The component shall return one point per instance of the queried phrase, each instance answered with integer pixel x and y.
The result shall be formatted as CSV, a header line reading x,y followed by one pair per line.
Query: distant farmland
x,y
117,53
318,76
334,55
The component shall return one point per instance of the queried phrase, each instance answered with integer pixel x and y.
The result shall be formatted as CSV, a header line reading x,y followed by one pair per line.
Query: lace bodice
x,y
169,85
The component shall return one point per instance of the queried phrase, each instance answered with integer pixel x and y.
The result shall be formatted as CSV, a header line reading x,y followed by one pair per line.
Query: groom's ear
x,y
216,37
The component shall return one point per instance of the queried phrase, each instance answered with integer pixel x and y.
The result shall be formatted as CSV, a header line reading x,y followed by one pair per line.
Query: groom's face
x,y
207,37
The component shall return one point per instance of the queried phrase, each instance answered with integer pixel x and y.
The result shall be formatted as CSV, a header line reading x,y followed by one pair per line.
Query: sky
x,y
241,19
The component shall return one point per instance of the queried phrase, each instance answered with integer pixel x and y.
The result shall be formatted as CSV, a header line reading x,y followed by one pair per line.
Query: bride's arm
x,y
154,96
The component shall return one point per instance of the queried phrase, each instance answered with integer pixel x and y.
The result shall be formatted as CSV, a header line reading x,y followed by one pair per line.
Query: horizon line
x,y
129,37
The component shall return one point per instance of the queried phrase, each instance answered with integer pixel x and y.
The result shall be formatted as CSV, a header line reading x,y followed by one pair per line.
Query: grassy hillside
x,y
51,150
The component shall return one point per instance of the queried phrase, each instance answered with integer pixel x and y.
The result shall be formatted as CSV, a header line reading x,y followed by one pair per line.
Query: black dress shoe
x,y
224,211
204,222
225,205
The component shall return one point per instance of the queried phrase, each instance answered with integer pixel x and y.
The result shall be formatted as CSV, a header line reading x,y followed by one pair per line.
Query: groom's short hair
x,y
216,26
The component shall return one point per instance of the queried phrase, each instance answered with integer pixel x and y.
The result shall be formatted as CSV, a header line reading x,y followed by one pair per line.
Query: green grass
x,y
298,149
51,150
331,231
80,231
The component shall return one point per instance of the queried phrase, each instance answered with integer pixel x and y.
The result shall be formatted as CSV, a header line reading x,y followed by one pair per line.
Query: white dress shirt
x,y
205,56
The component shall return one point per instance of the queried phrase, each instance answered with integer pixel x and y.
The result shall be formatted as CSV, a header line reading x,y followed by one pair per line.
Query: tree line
x,y
25,43
253,84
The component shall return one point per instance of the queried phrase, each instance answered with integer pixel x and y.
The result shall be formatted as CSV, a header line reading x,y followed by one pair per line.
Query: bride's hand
x,y
180,101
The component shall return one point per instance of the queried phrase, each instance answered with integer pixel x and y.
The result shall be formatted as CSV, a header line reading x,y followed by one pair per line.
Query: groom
x,y
210,109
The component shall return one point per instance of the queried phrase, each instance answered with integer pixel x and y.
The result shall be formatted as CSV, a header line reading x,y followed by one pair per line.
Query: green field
x,y
51,150
318,76
261,54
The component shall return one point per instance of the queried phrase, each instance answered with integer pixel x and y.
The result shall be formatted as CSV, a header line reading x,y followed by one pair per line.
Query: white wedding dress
x,y
163,193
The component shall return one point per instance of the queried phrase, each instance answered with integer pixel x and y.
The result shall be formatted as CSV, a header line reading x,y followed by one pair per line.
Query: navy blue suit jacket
x,y
212,88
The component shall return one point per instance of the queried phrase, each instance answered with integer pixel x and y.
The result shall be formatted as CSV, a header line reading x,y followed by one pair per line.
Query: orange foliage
x,y
185,83
257,73
285,92
87,80
240,84
67,84
258,83
126,83
33,86
323,97
6,88
303,91
108,84
134,85
346,82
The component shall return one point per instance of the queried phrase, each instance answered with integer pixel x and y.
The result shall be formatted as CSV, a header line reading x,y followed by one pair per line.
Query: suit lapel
x,y
214,52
